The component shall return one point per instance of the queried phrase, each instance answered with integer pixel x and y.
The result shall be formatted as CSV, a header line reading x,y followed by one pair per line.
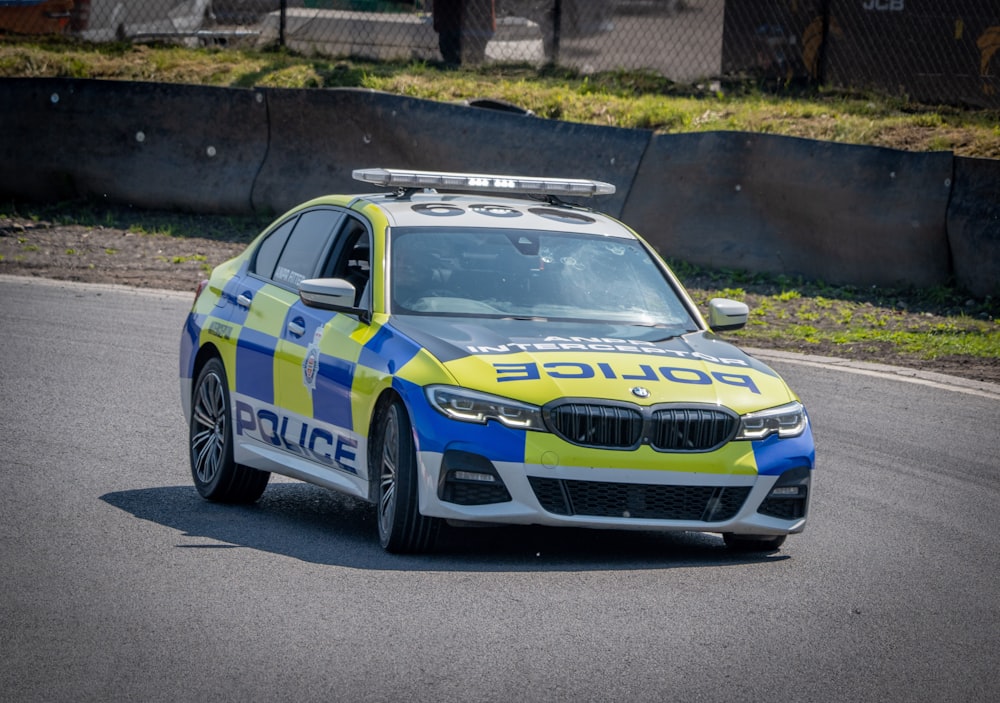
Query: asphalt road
x,y
117,582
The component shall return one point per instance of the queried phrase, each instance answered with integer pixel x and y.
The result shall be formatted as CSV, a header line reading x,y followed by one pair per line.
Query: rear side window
x,y
270,250
293,251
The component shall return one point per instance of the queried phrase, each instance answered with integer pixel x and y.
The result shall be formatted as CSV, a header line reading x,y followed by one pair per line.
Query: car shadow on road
x,y
319,526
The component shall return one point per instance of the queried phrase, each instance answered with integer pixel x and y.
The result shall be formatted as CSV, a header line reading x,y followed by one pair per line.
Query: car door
x,y
262,298
315,363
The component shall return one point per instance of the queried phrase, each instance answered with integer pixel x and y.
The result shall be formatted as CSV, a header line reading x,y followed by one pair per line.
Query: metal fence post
x,y
281,23
556,29
824,38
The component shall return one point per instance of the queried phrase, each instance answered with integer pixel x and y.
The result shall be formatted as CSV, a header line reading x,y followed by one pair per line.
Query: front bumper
x,y
455,486
494,474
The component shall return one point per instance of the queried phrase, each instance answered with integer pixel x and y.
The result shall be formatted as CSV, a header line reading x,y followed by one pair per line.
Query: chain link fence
x,y
928,50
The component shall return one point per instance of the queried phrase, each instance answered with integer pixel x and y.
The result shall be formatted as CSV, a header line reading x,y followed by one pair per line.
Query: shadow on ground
x,y
318,526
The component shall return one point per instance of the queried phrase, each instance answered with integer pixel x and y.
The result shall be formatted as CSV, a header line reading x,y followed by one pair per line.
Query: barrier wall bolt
x,y
892,174
259,97
140,137
738,188
947,182
367,139
210,151
54,98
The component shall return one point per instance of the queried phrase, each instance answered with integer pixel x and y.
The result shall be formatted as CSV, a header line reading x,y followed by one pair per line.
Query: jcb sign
x,y
883,5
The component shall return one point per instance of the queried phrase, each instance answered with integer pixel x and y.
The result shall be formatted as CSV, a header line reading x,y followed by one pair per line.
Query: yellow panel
x,y
288,379
542,377
734,458
223,335
269,309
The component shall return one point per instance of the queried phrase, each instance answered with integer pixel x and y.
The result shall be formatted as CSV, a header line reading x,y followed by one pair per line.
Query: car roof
x,y
477,210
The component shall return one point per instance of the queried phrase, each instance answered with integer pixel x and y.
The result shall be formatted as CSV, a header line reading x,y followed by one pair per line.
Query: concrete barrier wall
x,y
319,136
827,211
974,225
834,212
151,145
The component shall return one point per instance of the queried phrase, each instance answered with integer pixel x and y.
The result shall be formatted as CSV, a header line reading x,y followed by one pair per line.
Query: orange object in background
x,y
35,17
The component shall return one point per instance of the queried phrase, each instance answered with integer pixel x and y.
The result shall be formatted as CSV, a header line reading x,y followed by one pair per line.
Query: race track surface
x,y
120,583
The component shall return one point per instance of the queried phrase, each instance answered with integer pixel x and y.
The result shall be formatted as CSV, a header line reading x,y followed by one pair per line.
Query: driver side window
x,y
351,259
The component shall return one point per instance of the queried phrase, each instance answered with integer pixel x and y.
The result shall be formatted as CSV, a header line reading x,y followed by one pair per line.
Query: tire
x,y
216,475
753,543
401,527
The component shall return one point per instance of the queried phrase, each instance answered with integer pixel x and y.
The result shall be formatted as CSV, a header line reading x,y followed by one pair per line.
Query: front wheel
x,y
401,527
216,475
753,543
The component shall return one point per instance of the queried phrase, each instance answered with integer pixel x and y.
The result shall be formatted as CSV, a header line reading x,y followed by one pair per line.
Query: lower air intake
x,y
784,508
639,501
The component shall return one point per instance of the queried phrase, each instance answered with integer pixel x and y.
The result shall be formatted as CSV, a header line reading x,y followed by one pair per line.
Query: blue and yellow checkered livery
x,y
557,422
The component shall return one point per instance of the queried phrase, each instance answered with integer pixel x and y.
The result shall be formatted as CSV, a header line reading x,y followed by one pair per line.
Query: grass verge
x,y
629,99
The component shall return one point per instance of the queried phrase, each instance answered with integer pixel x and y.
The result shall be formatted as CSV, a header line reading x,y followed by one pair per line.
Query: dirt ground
x,y
175,252
109,255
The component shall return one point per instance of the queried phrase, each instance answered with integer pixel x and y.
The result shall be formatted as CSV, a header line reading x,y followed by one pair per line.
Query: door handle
x,y
244,300
296,327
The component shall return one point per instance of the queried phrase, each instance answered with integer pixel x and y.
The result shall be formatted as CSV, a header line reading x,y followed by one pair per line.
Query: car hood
x,y
541,361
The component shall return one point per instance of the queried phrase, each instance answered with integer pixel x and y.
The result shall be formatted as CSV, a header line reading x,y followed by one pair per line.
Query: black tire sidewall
x,y
395,409
409,531
211,488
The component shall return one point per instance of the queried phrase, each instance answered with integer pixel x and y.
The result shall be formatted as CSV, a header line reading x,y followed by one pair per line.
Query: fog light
x,y
470,479
473,476
786,491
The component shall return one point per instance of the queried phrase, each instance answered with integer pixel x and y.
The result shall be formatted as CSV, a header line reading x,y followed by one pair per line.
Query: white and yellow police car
x,y
473,348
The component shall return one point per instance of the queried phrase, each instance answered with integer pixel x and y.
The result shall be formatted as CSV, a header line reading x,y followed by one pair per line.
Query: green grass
x,y
91,213
923,323
184,259
630,99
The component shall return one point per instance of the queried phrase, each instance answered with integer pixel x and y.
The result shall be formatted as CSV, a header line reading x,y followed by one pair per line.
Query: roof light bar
x,y
403,178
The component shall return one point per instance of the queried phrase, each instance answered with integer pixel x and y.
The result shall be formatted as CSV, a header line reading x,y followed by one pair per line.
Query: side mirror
x,y
726,314
334,294
327,293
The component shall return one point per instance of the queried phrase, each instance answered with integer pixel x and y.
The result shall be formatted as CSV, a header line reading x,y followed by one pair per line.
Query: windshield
x,y
529,274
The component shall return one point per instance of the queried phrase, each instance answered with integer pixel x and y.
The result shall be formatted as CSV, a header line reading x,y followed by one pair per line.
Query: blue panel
x,y
255,365
388,351
332,397
309,318
437,433
189,343
775,456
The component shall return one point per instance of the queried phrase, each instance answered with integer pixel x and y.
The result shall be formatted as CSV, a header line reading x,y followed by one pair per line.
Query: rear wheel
x,y
401,527
216,475
753,543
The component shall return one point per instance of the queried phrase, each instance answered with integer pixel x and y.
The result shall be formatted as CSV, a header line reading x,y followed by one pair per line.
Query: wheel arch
x,y
386,398
205,353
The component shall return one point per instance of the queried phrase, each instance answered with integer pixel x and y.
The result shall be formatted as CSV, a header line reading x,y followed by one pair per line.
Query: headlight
x,y
785,421
472,406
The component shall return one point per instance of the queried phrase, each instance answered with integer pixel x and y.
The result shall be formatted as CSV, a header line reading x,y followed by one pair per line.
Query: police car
x,y
473,348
